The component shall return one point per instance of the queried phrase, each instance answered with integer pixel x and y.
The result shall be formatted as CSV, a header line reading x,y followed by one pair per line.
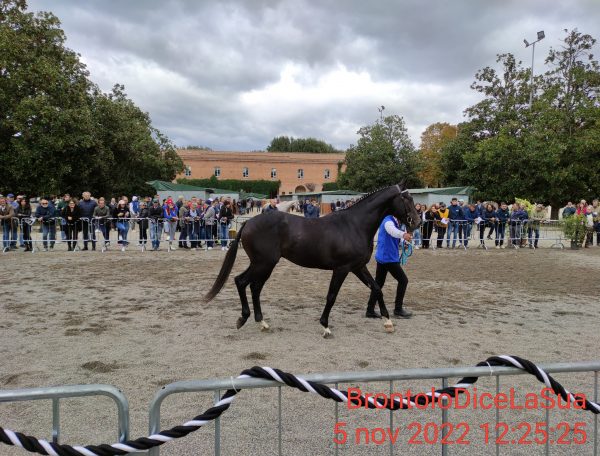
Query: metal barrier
x,y
216,386
140,232
61,392
509,234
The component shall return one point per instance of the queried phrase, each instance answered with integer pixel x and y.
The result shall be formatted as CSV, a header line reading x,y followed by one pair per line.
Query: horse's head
x,y
403,208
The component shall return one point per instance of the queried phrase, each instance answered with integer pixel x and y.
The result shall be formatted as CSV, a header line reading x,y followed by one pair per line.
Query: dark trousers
x,y
426,234
88,233
183,235
482,226
441,232
26,232
143,235
72,233
397,273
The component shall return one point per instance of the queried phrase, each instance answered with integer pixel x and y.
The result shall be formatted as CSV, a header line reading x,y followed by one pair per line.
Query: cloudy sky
x,y
233,74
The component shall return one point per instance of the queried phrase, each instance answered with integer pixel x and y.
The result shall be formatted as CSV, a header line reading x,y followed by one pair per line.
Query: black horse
x,y
341,241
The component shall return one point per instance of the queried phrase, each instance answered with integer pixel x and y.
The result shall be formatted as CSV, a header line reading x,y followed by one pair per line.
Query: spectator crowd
x,y
515,226
197,223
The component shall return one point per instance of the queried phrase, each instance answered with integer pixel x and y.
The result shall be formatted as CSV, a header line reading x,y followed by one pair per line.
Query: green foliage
x,y
197,148
384,155
309,145
549,152
58,132
264,187
330,186
574,228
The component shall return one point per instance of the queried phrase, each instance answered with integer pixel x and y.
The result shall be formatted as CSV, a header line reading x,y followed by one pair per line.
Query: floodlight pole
x,y
541,36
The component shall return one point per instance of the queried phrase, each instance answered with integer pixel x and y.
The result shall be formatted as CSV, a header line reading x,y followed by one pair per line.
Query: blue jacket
x,y
470,216
502,215
46,213
387,246
86,208
518,216
455,212
311,211
487,215
170,213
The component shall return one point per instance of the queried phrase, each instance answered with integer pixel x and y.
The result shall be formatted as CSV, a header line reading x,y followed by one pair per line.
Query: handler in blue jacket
x,y
388,260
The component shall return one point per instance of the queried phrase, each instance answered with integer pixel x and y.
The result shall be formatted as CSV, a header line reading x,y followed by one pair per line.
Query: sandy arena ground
x,y
135,320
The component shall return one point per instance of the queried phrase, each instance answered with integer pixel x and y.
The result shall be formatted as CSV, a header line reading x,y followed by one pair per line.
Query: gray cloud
x,y
233,74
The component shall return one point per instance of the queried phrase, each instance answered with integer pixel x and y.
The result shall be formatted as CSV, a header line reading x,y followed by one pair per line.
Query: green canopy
x,y
443,190
171,187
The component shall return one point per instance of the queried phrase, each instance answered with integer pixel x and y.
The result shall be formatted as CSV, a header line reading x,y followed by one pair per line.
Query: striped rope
x,y
145,443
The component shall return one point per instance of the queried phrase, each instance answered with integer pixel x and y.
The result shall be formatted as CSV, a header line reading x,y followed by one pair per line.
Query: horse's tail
x,y
226,268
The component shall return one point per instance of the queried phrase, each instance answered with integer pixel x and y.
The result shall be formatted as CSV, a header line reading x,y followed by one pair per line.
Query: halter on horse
x,y
341,241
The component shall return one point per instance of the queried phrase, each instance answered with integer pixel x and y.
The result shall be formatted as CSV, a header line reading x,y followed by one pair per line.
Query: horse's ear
x,y
402,184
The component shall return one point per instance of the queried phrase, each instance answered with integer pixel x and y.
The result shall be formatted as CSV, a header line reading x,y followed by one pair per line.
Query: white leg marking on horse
x,y
264,326
326,332
388,326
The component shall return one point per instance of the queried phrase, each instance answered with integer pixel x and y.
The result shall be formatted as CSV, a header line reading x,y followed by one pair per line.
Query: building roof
x,y
253,195
331,192
443,190
262,157
172,187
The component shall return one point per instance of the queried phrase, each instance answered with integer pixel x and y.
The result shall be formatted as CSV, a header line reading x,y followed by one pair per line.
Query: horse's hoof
x,y
388,326
264,326
241,322
326,333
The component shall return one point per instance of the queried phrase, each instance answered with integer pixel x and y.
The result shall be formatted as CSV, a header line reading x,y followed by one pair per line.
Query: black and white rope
x,y
145,443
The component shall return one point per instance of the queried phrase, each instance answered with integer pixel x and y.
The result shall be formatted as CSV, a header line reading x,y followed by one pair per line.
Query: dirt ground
x,y
135,320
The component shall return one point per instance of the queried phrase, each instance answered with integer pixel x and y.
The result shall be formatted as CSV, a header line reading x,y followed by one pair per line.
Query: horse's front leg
x,y
365,277
339,275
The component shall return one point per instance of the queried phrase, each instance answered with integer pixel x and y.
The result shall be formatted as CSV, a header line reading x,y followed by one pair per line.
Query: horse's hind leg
x,y
259,278
241,282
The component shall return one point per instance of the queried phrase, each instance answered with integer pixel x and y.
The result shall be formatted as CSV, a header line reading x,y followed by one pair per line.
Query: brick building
x,y
298,172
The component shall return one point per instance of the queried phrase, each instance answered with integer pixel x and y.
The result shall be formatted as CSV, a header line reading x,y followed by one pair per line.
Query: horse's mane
x,y
364,197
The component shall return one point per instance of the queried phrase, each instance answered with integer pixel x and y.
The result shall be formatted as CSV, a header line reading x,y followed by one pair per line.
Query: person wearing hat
x,y
441,222
155,214
538,216
171,216
121,213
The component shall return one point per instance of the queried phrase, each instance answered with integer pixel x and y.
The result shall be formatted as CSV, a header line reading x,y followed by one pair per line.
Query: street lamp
x,y
380,109
540,37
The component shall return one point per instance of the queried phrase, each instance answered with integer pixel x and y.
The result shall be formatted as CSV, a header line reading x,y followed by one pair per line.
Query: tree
x,y
197,148
309,145
58,131
45,120
433,140
384,155
547,152
133,152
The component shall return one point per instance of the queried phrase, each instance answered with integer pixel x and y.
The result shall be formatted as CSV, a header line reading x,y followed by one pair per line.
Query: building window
x,y
326,174
245,172
188,171
300,173
273,173
217,171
